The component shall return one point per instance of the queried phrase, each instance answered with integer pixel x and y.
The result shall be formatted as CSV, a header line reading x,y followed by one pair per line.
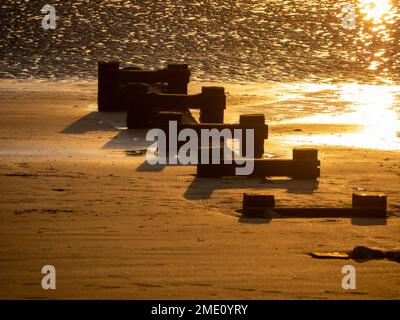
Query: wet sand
x,y
74,195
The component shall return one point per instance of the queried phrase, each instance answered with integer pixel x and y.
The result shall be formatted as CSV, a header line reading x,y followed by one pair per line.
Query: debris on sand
x,y
393,256
20,174
136,153
51,211
363,253
359,253
58,189
330,255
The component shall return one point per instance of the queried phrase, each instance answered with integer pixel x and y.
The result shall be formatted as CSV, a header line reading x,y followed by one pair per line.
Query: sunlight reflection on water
x,y
226,41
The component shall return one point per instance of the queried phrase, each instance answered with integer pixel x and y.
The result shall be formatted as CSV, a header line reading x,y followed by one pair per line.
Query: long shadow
x,y
243,219
368,222
97,121
133,142
202,188
129,140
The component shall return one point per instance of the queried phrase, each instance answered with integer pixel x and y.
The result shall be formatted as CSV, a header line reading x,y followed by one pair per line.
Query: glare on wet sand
x,y
373,108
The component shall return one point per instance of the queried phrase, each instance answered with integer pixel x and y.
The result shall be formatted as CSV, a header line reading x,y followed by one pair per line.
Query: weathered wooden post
x,y
112,82
211,102
213,105
255,205
304,165
305,154
365,205
107,85
375,202
256,120
134,100
180,78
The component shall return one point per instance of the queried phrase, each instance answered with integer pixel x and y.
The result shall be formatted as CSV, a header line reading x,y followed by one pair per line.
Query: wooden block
x,y
178,66
212,105
305,169
108,65
289,168
260,131
258,200
255,212
178,78
107,85
213,90
364,206
376,203
265,167
254,118
305,154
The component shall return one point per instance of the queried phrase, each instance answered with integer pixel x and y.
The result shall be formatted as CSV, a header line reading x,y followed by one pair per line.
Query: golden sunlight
x,y
377,32
372,109
377,11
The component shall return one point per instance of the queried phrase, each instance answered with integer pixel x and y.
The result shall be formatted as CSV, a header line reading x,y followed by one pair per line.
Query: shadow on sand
x,y
134,143
97,121
202,188
128,140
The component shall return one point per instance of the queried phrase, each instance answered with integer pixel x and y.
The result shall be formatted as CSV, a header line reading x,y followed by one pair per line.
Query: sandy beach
x,y
76,195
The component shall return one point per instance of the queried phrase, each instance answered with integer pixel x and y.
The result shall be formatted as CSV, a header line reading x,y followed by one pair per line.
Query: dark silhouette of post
x,y
107,85
211,102
114,82
178,84
260,133
364,205
303,165
254,120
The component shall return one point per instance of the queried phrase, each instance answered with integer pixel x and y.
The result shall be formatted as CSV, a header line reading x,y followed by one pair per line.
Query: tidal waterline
x,y
345,114
301,47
